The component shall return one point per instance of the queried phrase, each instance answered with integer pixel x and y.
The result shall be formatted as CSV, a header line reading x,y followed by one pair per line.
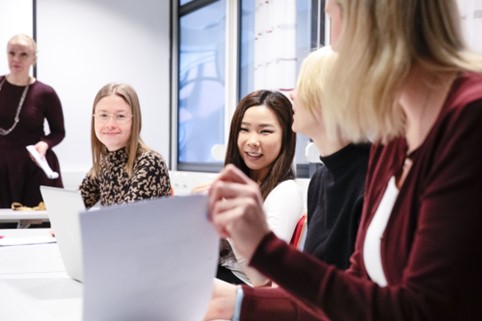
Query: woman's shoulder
x,y
151,156
467,88
288,184
463,106
289,188
43,87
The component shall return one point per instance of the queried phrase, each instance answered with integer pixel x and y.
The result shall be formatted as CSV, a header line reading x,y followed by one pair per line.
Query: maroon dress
x,y
20,177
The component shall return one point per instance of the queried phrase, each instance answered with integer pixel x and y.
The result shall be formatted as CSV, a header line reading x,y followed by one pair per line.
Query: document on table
x,y
149,260
13,240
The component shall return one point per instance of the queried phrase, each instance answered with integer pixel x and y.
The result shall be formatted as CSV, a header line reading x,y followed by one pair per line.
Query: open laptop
x,y
63,209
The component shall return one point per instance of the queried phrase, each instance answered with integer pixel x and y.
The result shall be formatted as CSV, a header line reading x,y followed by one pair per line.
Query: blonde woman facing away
x,y
124,169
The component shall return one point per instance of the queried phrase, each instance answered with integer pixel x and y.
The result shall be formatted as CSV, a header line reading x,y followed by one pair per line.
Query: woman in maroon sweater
x,y
25,105
416,92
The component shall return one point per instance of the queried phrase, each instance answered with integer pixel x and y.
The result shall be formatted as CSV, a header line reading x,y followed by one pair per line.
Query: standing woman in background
x,y
262,144
25,103
405,79
124,169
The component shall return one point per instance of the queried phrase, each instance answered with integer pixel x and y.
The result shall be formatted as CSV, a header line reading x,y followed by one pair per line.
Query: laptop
x,y
63,209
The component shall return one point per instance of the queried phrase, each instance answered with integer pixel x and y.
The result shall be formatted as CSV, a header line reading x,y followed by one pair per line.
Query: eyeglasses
x,y
121,118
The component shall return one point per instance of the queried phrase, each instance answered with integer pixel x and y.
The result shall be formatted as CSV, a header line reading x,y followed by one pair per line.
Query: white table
x,y
33,282
8,215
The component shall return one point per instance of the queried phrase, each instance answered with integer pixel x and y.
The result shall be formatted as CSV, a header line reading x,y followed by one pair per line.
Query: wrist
x,y
238,303
41,146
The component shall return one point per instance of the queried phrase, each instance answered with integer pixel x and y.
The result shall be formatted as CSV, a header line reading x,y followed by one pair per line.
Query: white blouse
x,y
283,208
372,246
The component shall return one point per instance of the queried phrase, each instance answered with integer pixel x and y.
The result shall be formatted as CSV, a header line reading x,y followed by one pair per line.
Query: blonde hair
x,y
380,43
312,78
24,40
135,145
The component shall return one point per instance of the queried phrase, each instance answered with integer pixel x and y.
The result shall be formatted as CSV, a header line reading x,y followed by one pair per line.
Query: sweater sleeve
x,y
273,304
55,118
90,191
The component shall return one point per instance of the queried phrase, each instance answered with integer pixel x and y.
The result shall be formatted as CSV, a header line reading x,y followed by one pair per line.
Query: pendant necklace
x,y
3,131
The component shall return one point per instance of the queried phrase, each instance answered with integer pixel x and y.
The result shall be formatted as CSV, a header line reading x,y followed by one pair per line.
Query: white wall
x,y
16,16
471,13
82,45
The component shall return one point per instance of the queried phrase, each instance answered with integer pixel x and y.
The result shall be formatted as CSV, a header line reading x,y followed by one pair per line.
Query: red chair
x,y
299,234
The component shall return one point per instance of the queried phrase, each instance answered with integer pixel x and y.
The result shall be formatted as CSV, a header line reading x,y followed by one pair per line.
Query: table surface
x,y
9,215
33,283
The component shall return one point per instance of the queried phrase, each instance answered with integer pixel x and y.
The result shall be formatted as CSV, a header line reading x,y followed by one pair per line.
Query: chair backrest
x,y
299,234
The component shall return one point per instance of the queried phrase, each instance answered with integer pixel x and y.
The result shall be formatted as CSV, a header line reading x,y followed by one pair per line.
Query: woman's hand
x,y
201,189
42,148
236,210
223,301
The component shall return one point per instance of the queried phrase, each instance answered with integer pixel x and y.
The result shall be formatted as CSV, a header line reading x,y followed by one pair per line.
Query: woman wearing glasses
x,y
124,168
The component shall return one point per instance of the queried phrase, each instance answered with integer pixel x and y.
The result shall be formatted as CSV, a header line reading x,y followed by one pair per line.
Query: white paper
x,y
42,163
153,260
10,241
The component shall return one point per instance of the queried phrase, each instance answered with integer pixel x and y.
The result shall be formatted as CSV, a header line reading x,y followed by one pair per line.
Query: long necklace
x,y
5,132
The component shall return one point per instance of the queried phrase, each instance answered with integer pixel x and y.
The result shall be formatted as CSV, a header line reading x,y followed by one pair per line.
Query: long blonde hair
x,y
380,43
135,145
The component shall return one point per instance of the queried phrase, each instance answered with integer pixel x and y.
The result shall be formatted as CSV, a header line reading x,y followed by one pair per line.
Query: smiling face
x,y
259,140
111,133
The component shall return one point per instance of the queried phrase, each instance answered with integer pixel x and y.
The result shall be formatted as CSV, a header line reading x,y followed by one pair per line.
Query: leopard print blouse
x,y
150,179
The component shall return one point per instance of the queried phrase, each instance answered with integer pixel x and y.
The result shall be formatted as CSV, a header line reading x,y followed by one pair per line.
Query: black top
x,y
335,200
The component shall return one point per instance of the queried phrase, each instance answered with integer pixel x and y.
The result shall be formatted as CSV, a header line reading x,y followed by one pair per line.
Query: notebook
x,y
149,260
63,209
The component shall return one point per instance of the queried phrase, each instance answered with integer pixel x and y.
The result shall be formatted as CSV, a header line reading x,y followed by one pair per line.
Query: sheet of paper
x,y
152,260
12,240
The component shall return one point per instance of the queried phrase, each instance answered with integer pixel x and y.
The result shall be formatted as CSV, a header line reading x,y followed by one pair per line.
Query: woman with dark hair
x,y
262,144
280,167
124,169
